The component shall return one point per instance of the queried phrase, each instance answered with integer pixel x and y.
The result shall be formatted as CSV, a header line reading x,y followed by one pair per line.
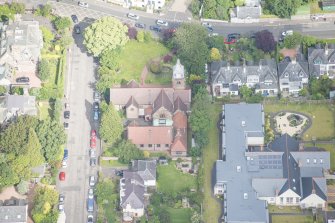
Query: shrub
x,y
132,33
140,36
167,58
22,187
155,67
147,36
3,90
16,90
44,70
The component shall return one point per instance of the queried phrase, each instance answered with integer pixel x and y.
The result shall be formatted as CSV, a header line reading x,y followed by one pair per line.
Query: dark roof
x,y
132,101
279,144
326,3
15,214
132,193
310,186
179,105
132,84
318,56
145,168
295,70
162,100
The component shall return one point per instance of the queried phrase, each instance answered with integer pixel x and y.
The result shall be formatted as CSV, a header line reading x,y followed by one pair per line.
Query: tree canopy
x,y
43,70
111,126
126,151
62,23
293,40
45,201
106,33
190,40
265,41
282,8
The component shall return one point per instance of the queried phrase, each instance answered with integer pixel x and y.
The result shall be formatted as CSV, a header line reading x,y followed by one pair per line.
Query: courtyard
x,y
290,123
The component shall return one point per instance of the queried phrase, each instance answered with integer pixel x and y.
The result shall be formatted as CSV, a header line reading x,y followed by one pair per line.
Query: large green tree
x,y
199,115
106,33
110,59
48,36
190,40
111,126
293,41
17,8
126,151
282,8
62,23
43,70
45,201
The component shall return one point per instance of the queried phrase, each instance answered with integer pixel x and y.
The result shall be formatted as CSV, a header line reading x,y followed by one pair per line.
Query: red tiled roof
x,y
180,141
150,134
179,120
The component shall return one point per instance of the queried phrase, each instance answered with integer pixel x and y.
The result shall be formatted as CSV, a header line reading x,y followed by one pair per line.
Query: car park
x,y
66,125
62,176
67,114
93,162
77,29
96,96
92,181
90,218
74,18
22,79
133,16
93,143
83,4
155,28
162,22
140,25
90,193
92,153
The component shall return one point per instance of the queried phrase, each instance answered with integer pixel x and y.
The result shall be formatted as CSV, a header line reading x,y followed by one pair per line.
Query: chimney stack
x,y
326,49
294,60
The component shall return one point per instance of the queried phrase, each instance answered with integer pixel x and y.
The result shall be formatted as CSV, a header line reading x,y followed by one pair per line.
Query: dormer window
x,y
237,80
301,74
317,61
286,75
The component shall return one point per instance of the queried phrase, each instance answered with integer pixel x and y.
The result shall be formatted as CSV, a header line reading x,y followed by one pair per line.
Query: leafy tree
x,y
44,10
33,149
51,135
282,8
111,126
292,41
106,33
106,78
164,216
239,2
222,9
216,42
45,201
140,36
65,40
132,32
43,70
22,187
126,151
245,91
190,40
6,12
62,23
196,218
195,7
199,115
147,36
17,8
265,41
215,54
7,175
3,90
110,59
319,88
48,36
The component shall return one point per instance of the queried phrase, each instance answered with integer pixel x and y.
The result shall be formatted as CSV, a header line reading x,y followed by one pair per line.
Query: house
x,y
16,105
20,47
262,77
133,188
157,117
250,12
154,4
293,75
252,175
14,212
328,5
321,61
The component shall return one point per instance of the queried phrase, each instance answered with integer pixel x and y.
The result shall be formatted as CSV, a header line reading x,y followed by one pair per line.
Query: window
x,y
297,200
131,109
158,145
291,200
178,82
281,200
166,145
150,145
162,121
286,74
287,200
141,145
314,161
179,153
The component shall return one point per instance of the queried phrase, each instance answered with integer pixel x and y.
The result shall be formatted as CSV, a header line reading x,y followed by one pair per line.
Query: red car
x,y
229,41
62,176
93,143
93,133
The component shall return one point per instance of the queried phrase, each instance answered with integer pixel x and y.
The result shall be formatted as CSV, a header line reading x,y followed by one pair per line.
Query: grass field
x,y
322,118
44,110
292,219
134,57
180,215
303,10
112,163
170,180
212,209
331,149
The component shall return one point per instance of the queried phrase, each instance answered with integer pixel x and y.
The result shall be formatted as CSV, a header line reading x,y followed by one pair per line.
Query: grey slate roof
x,y
267,187
309,186
318,56
162,100
133,194
13,214
293,71
132,101
179,105
246,12
145,168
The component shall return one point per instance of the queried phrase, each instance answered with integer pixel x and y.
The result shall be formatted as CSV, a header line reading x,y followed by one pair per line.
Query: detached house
x,y
157,117
293,75
227,79
250,12
322,61
252,175
133,188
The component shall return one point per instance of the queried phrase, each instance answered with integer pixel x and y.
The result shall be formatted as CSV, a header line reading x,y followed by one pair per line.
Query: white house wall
x,y
150,183
312,200
288,194
134,212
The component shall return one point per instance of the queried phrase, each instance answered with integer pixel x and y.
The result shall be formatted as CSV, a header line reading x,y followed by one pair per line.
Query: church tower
x,y
178,78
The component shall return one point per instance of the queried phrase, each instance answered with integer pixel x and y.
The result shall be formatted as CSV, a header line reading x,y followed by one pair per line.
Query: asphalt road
x,y
79,95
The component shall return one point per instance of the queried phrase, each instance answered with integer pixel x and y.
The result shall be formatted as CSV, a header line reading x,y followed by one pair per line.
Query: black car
x,y
210,29
67,114
66,125
119,173
140,25
22,79
93,162
96,106
156,28
74,18
77,29
234,36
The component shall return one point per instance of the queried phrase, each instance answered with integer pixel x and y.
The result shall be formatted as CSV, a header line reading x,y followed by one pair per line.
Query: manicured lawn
x,y
292,219
111,163
283,209
322,118
44,110
180,215
172,181
303,10
163,79
331,149
212,208
135,56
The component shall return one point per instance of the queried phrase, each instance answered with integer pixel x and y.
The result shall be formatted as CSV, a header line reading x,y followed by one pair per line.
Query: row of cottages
x,y
252,175
134,188
289,76
157,116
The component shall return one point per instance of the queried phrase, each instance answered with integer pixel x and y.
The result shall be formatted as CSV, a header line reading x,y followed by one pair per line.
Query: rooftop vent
x,y
245,196
238,169
243,123
294,188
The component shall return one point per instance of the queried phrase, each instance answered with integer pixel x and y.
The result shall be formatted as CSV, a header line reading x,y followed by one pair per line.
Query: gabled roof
x,y
163,100
180,141
132,101
295,70
146,169
132,84
317,56
150,134
133,195
24,103
310,186
284,142
17,214
267,187
179,105
179,120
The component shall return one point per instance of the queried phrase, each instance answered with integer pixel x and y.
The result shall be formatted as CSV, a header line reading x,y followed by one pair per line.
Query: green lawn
x,y
331,149
44,110
304,10
283,209
180,215
111,163
172,181
292,219
322,118
163,79
134,57
212,209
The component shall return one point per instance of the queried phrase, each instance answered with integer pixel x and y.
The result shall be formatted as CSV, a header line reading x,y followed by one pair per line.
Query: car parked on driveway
x,y
62,176
22,79
155,28
74,18
162,22
140,25
133,16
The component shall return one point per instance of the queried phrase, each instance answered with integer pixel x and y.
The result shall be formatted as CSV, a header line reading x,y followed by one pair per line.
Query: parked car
x,y
133,16
66,154
61,198
213,34
62,176
96,106
66,125
61,207
90,218
287,33
96,115
90,193
90,205
206,24
119,173
93,133
162,22
67,114
77,29
140,25
93,162
74,18
93,143
234,36
64,163
96,96
210,29
92,181
66,105
22,79
92,153
83,4
155,28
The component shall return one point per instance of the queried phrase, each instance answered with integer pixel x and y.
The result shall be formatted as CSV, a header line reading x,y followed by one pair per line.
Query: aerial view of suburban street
x,y
167,111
